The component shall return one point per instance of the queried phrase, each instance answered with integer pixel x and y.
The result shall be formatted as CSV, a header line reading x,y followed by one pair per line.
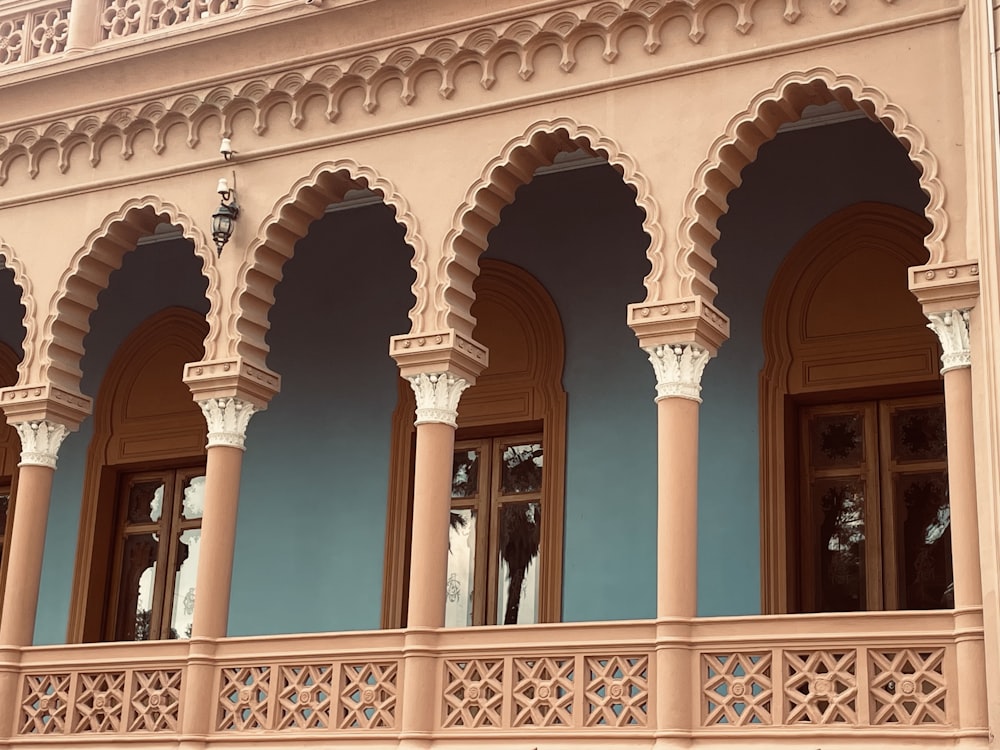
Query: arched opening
x,y
505,550
804,175
853,453
314,483
144,479
576,228
135,333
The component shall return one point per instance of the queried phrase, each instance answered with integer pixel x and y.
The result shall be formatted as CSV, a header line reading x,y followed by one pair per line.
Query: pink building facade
x,y
515,374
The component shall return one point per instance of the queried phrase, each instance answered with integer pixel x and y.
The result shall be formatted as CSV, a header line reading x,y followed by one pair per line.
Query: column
x,y
680,337
84,25
42,415
948,293
229,393
40,441
439,367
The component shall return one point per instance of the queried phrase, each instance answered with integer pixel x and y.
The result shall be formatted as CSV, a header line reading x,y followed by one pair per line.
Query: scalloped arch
x,y
745,133
288,222
495,189
68,321
28,301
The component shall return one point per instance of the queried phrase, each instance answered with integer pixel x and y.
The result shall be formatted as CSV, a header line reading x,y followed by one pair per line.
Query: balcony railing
x,y
889,674
34,30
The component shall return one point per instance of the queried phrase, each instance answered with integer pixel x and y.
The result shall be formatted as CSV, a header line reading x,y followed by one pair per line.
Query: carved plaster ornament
x,y
227,420
678,370
952,329
437,397
40,441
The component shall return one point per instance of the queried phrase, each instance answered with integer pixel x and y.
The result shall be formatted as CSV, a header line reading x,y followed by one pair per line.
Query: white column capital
x,y
40,441
678,369
952,329
227,420
437,396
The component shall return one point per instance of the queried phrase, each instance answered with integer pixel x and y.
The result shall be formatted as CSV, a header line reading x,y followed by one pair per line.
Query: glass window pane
x,y
465,474
519,538
521,469
461,568
918,434
136,588
193,504
145,501
926,574
839,507
182,611
836,440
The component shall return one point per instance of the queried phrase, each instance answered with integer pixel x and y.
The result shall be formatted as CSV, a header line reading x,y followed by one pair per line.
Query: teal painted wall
x,y
311,532
311,526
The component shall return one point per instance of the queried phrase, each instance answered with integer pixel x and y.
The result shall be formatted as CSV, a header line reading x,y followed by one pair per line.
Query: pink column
x,y
227,423
84,25
40,441
227,420
678,369
952,328
437,396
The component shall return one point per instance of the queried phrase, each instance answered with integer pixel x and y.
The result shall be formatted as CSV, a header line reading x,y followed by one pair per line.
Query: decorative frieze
x,y
437,395
678,368
40,441
227,420
952,329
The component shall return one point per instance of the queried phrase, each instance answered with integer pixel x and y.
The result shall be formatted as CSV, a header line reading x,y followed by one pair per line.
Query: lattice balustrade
x,y
308,697
120,701
154,704
737,689
908,686
821,687
617,692
35,33
543,692
100,702
848,687
245,698
304,697
45,704
368,696
121,18
473,694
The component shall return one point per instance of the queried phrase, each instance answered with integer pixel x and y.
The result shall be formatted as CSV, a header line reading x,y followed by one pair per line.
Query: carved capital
x,y
678,369
227,420
40,441
952,329
437,395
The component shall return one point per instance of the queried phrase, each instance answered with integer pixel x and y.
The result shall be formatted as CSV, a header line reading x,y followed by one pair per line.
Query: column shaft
x,y
435,448
962,488
677,508
24,566
84,25
218,540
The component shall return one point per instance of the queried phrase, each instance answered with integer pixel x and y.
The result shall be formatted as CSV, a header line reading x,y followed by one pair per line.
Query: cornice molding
x,y
441,56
